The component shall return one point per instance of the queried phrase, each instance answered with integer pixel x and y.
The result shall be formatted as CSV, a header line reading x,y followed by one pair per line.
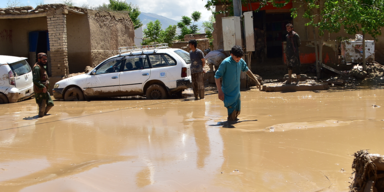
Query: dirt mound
x,y
86,70
368,172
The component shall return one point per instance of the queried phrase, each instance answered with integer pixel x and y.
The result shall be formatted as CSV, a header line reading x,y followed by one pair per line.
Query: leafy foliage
x,y
154,33
196,16
208,26
168,34
186,20
69,3
133,10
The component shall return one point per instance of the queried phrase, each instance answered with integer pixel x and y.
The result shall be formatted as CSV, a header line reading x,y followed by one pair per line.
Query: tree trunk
x,y
316,53
321,51
364,62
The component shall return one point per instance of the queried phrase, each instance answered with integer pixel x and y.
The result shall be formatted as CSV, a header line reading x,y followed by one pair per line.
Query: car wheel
x,y
179,94
156,91
3,99
73,94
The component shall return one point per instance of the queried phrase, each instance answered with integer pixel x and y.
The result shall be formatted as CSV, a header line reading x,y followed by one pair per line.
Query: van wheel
x,y
3,99
156,91
73,94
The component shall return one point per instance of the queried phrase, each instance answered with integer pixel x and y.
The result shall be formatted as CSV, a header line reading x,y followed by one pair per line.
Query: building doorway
x,y
39,42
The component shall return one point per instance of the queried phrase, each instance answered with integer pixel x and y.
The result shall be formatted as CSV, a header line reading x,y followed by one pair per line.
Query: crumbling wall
x,y
202,44
194,36
79,42
109,31
6,37
20,34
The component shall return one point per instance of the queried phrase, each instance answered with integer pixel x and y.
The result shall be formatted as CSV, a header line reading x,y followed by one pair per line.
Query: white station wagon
x,y
16,81
155,74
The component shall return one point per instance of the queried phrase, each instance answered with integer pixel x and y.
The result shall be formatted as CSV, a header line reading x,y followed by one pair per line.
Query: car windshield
x,y
184,55
20,68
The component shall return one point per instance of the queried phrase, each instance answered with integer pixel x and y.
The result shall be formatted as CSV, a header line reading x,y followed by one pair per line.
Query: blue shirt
x,y
230,71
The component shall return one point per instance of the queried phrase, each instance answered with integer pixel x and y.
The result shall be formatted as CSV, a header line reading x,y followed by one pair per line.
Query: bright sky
x,y
173,9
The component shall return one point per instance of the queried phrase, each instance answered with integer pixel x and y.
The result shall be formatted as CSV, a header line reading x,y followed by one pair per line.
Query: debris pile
x,y
86,70
368,172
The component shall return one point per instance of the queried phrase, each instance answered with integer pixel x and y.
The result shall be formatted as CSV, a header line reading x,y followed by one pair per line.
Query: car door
x,y
164,69
135,72
105,80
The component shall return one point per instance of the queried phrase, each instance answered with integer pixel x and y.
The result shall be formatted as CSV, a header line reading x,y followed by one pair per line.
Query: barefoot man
x,y
229,91
40,85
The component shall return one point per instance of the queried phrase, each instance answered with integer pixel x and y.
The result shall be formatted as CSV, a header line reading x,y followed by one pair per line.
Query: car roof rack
x,y
142,48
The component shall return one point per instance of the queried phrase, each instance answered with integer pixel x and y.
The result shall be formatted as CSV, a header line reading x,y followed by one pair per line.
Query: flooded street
x,y
300,141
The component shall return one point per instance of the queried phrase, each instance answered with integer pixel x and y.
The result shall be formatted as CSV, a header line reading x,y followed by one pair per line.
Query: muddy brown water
x,y
300,141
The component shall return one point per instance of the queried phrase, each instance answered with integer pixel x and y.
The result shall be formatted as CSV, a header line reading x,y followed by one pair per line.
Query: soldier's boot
x,y
42,106
201,92
49,107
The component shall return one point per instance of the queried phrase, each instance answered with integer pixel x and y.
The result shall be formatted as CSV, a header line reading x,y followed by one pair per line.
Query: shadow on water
x,y
229,124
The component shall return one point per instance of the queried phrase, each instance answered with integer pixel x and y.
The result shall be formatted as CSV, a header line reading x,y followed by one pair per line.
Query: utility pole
x,y
237,9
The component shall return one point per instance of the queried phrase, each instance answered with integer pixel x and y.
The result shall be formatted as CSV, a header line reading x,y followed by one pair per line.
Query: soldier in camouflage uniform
x,y
292,53
197,65
41,84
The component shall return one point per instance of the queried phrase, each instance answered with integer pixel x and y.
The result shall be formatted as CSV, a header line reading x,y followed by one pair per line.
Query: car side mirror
x,y
93,72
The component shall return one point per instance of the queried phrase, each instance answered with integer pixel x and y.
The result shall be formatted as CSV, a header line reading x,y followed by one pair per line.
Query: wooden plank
x,y
331,69
25,16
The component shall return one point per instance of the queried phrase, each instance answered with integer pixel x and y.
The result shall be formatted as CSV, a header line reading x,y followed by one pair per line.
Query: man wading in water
x,y
197,65
229,92
292,53
40,85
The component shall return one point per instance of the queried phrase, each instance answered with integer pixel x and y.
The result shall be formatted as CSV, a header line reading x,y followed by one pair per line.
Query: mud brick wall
x,y
57,30
202,44
108,32
194,36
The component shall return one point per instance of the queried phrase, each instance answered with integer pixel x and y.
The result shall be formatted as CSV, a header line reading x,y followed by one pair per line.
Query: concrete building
x,y
73,37
139,36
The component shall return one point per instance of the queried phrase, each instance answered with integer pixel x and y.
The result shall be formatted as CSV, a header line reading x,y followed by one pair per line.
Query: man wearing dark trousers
x,y
41,85
292,53
197,65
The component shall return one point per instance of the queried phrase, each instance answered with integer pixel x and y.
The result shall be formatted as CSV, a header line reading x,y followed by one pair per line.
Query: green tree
x,y
153,31
195,17
69,3
118,5
208,26
186,20
168,34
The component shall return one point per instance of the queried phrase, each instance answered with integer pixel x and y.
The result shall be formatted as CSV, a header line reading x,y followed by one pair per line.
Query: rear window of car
x,y
20,68
184,55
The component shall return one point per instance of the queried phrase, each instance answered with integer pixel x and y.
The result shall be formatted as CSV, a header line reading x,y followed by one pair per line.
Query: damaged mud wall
x,y
14,35
79,42
5,37
109,31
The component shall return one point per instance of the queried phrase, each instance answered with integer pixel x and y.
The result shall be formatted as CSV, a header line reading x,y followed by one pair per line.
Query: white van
x,y
155,74
16,80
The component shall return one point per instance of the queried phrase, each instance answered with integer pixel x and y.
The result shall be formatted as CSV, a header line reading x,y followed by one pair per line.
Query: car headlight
x,y
56,86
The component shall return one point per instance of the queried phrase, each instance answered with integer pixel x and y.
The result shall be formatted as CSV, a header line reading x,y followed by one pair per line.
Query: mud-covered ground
x,y
300,141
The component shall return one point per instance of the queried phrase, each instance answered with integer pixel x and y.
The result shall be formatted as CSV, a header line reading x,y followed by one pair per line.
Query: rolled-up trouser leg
x,y
234,110
42,106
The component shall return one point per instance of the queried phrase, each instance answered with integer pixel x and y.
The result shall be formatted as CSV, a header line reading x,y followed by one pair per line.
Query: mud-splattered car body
x,y
131,74
16,81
